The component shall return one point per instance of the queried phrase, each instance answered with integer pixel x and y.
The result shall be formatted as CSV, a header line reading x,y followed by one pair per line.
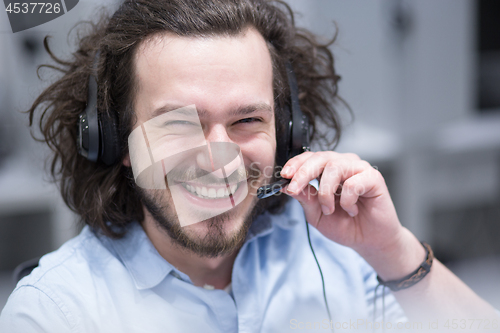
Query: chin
x,y
218,235
228,223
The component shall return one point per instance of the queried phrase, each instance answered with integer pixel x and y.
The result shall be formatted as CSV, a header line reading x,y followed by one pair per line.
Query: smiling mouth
x,y
207,192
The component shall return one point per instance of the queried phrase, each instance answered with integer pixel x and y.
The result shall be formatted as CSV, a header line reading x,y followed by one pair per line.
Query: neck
x,y
201,270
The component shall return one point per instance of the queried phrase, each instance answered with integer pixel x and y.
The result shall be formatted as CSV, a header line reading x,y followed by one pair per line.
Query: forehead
x,y
214,73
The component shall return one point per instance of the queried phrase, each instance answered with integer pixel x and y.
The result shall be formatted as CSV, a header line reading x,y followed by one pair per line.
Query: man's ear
x,y
126,161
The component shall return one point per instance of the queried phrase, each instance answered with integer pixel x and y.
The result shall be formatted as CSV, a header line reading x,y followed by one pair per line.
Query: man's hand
x,y
352,207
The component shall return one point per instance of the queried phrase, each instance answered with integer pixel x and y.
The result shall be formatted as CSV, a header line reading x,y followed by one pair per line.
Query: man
x,y
146,263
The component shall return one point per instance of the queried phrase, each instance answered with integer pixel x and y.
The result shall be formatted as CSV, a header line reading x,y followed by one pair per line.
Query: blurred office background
x,y
422,78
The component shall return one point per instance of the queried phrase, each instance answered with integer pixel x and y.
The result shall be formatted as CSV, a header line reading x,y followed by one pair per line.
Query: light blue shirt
x,y
97,284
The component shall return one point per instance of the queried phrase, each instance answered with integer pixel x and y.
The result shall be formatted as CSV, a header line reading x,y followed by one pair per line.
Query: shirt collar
x,y
291,215
146,266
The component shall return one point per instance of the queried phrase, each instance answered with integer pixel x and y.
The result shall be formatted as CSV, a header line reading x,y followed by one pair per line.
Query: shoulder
x,y
53,294
31,309
71,264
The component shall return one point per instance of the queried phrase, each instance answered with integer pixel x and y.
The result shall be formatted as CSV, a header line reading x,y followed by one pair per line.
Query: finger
x,y
330,181
334,175
312,167
368,183
294,163
308,200
309,170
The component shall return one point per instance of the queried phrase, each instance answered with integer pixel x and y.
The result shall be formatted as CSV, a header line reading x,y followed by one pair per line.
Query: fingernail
x,y
292,187
325,210
285,171
351,214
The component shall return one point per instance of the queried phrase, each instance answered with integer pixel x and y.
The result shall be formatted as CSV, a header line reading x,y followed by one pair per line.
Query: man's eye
x,y
179,123
248,120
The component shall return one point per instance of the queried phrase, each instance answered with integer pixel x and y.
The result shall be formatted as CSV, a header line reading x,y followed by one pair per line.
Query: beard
x,y
216,241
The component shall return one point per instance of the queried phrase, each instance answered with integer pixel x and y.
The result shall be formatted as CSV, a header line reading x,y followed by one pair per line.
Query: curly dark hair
x,y
104,196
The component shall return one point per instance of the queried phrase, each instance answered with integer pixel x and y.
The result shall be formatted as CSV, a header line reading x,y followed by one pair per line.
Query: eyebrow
x,y
169,107
249,109
240,111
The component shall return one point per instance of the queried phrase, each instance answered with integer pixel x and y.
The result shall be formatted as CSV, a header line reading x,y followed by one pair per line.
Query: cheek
x,y
259,152
260,159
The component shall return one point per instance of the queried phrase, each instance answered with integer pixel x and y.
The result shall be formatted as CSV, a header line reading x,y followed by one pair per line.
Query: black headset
x,y
98,141
97,135
297,136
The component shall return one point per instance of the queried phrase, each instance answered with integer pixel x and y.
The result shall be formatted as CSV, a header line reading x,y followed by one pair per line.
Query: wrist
x,y
414,277
398,259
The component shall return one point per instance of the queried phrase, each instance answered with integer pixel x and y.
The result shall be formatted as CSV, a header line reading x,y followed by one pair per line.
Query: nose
x,y
215,156
216,133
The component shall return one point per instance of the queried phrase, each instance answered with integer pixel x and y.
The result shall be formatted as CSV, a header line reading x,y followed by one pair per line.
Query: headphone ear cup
x,y
110,145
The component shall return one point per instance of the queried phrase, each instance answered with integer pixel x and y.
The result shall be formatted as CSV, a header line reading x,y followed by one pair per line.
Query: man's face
x,y
229,81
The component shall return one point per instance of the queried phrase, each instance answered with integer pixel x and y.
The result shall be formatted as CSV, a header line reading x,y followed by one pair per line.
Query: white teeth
x,y
212,193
